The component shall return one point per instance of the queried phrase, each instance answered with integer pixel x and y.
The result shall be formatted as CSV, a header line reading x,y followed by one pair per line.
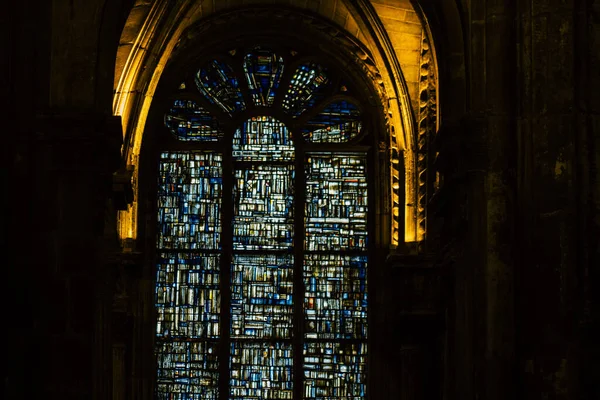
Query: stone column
x,y
553,164
59,192
587,107
485,273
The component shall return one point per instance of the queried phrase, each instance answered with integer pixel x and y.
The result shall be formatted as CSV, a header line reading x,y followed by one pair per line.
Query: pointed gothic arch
x,y
170,46
354,27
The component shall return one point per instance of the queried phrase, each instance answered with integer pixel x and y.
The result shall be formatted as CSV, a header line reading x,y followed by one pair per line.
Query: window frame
x,y
161,140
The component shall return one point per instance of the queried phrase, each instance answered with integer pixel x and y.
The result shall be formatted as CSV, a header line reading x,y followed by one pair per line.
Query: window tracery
x,y
279,279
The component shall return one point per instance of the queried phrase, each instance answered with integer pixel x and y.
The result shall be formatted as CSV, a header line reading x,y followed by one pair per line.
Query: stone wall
x,y
514,280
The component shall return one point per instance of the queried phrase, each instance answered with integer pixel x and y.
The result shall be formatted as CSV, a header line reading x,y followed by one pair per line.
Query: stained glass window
x,y
336,202
263,71
307,85
220,86
263,251
188,121
338,122
189,194
335,370
263,139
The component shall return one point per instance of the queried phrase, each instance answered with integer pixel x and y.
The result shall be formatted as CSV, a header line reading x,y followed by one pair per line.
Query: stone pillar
x,y
62,170
482,169
587,107
554,168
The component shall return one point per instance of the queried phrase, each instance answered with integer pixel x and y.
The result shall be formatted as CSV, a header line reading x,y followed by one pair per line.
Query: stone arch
x,y
342,52
163,30
154,30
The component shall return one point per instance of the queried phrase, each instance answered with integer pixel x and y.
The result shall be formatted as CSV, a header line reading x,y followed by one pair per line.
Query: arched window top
x,y
308,92
306,86
217,82
263,70
263,223
190,122
263,139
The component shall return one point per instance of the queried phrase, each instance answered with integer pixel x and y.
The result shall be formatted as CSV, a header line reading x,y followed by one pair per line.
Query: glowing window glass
x,y
263,71
336,202
188,121
218,84
305,88
189,210
272,300
263,139
339,122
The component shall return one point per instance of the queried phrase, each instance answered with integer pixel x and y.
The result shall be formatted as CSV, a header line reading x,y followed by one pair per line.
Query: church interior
x,y
477,121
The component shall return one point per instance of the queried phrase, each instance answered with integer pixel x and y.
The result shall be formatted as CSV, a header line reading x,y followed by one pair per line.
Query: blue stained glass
x,y
263,139
335,370
336,202
188,297
260,313
263,71
190,122
305,89
261,296
187,371
339,122
260,371
218,84
189,200
335,301
263,212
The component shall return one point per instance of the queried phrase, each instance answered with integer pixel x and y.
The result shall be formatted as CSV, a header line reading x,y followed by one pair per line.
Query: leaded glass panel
x,y
187,371
261,296
336,202
335,370
261,370
188,296
217,82
263,139
189,200
335,297
339,122
263,71
306,87
263,212
188,121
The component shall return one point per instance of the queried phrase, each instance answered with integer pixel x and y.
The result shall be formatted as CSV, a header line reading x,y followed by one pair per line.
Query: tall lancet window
x,y
262,235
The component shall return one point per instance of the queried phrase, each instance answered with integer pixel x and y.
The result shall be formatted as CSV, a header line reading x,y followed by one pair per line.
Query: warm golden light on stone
x,y
150,37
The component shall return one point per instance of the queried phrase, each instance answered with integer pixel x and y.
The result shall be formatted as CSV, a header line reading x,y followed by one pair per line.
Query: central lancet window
x,y
261,285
